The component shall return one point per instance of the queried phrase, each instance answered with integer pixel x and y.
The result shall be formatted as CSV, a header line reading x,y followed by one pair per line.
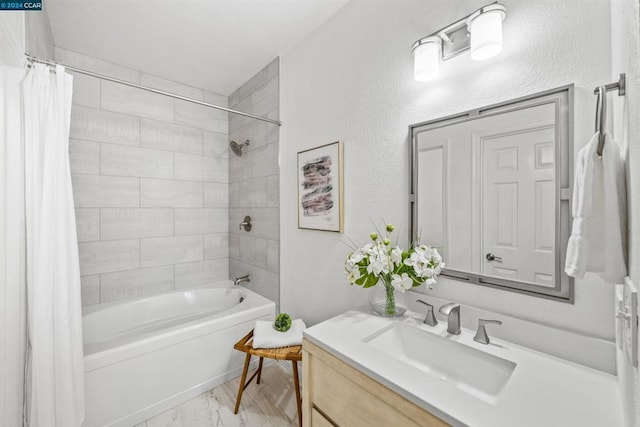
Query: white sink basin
x,y
475,372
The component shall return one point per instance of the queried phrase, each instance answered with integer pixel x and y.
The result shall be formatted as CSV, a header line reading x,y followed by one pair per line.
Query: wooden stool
x,y
293,353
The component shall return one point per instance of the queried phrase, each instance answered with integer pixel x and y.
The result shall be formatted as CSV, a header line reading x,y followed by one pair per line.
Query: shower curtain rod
x,y
32,58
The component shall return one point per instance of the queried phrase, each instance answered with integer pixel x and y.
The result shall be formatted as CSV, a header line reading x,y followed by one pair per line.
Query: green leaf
x,y
371,281
282,322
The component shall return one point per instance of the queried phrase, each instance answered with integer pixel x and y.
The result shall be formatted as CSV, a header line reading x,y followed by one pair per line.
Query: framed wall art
x,y
320,200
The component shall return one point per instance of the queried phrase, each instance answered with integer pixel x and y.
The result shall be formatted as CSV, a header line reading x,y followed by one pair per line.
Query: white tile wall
x,y
250,86
265,98
273,191
95,191
250,249
86,90
215,194
171,250
132,283
196,273
131,100
265,161
201,221
237,122
240,167
88,224
120,160
170,193
104,126
216,99
273,70
168,136
126,223
150,184
201,168
273,258
216,245
254,184
152,179
84,156
273,132
190,114
96,65
249,193
108,256
216,144
90,289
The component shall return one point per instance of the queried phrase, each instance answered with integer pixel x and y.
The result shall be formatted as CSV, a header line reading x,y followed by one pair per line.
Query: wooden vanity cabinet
x,y
336,394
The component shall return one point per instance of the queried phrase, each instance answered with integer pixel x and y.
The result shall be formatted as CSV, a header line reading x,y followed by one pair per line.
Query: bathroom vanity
x,y
362,369
338,394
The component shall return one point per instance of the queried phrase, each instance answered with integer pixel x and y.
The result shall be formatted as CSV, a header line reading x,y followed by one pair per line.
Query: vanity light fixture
x,y
480,32
427,58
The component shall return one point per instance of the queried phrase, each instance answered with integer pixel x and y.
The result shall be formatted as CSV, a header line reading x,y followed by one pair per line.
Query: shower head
x,y
237,148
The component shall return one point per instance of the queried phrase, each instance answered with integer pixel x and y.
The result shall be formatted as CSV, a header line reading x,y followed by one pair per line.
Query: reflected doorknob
x,y
492,257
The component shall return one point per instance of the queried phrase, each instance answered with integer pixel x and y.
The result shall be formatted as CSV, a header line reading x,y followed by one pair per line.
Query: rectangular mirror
x,y
491,189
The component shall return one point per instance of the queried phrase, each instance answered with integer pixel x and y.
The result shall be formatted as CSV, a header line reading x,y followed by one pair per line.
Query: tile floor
x,y
268,404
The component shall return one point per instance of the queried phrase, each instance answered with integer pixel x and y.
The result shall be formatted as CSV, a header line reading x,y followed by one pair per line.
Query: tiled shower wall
x,y
254,184
150,181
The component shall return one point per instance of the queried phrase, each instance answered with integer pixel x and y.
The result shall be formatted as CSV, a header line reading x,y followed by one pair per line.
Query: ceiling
x,y
211,44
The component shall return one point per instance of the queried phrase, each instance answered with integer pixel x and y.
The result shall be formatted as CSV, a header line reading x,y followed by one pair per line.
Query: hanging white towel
x,y
598,236
266,336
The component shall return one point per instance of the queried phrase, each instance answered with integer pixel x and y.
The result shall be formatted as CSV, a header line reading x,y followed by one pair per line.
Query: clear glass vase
x,y
386,301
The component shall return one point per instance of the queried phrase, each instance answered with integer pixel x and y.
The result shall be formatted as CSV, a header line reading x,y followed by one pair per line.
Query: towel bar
x,y
601,107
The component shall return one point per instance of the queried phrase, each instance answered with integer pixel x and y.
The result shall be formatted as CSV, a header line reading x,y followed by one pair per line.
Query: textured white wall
x,y
625,42
351,80
12,41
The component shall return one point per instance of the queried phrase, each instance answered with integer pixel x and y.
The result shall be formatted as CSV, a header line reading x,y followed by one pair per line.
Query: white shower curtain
x,y
13,320
55,381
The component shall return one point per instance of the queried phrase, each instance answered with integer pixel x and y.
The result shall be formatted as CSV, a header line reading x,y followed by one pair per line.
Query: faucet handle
x,y
246,224
481,334
430,319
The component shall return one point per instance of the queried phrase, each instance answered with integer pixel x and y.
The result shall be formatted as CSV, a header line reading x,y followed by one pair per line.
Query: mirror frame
x,y
563,97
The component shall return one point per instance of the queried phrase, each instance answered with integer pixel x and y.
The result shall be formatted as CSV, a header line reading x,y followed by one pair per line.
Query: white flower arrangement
x,y
401,270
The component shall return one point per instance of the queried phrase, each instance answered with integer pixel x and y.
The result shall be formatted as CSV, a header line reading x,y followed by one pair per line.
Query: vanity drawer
x,y
348,397
319,420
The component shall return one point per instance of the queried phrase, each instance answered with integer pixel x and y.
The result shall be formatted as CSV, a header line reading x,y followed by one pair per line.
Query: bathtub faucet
x,y
242,279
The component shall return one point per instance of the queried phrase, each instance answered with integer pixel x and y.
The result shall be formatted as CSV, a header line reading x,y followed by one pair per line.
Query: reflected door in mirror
x,y
518,198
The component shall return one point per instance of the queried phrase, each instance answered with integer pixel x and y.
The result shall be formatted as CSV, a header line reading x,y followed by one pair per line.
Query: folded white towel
x,y
598,236
266,336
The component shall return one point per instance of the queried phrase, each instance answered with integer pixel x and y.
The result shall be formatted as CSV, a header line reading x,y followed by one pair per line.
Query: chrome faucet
x,y
242,279
452,311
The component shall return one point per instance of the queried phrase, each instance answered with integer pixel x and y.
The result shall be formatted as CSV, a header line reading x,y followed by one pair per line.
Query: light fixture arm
x,y
430,39
488,8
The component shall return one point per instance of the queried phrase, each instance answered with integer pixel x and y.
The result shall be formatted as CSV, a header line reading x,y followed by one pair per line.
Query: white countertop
x,y
543,391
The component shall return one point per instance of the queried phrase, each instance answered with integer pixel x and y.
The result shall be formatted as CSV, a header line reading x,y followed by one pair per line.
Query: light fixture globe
x,y
486,32
426,58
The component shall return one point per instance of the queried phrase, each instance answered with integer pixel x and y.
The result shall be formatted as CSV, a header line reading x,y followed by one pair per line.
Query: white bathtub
x,y
145,356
